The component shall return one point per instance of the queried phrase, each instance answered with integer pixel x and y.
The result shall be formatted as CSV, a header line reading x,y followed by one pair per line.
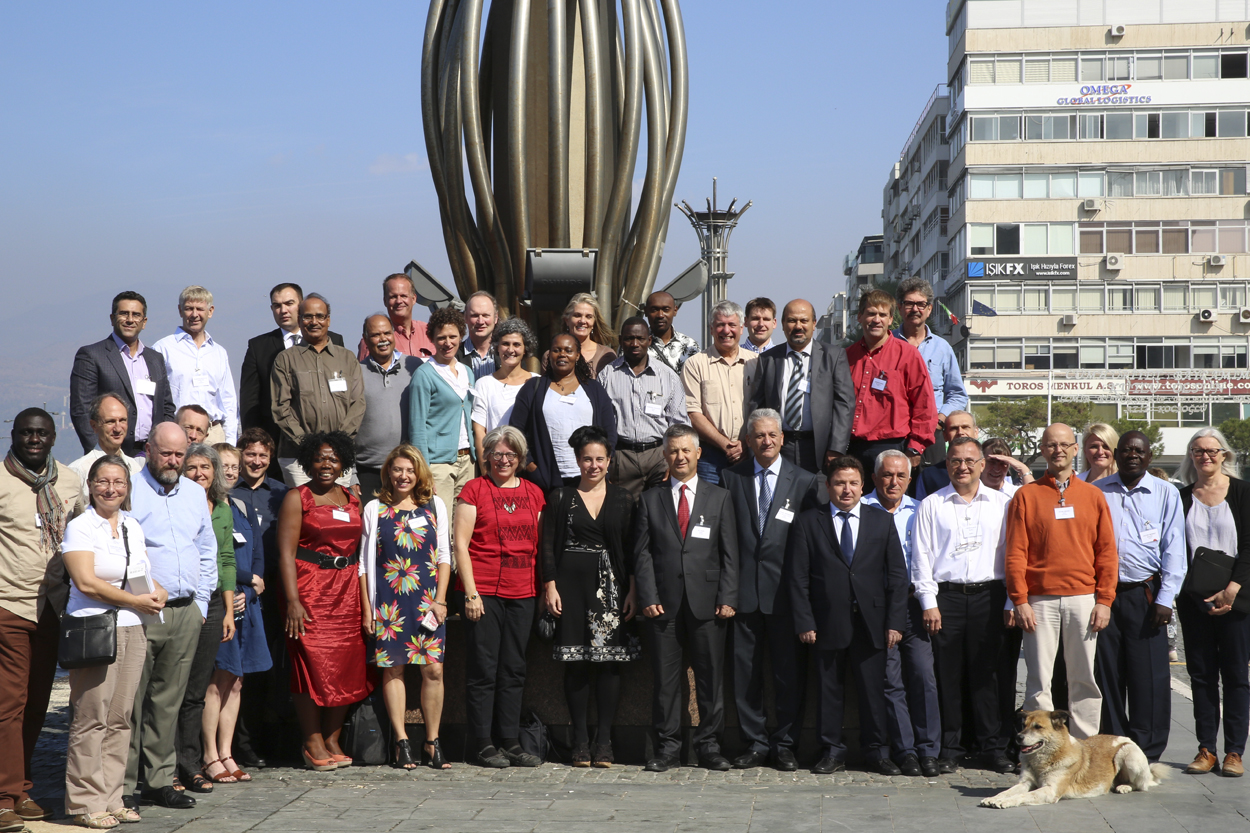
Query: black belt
x,y
181,601
967,589
799,435
327,562
626,445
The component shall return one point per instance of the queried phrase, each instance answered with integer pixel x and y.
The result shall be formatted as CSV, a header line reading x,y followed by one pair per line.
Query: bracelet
x,y
437,602
474,597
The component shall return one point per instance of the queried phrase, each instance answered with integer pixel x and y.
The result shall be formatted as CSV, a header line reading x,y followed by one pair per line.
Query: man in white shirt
x,y
199,368
957,569
110,420
761,320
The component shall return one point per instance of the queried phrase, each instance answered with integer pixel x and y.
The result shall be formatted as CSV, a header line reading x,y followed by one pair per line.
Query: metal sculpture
x,y
545,113
714,227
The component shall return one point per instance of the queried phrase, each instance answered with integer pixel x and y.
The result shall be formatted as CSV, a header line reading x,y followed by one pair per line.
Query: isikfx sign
x,y
1103,94
1023,268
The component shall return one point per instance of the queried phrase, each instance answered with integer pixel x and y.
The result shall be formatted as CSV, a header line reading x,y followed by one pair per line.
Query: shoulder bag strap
x,y
126,545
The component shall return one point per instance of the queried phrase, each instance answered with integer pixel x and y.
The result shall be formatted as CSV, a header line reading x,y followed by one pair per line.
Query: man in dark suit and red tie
x,y
686,575
848,590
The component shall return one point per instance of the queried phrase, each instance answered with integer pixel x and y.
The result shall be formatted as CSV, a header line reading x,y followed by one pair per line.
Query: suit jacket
x,y
98,369
667,566
255,398
761,558
832,394
823,585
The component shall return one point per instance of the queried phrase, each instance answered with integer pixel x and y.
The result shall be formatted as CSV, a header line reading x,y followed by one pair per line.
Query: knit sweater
x,y
1050,556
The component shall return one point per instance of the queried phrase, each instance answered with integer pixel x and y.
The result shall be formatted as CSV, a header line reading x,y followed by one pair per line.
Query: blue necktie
x,y
847,541
766,499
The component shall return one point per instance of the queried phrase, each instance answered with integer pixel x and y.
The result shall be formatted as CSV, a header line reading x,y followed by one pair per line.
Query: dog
x,y
1054,765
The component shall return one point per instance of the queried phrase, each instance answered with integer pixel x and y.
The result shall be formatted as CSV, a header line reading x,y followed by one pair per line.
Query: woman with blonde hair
x,y
405,568
1098,451
583,319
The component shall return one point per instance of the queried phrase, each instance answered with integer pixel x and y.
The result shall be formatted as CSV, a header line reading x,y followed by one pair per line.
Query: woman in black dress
x,y
589,587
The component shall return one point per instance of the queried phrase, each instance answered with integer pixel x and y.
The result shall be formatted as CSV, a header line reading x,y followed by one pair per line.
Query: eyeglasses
x,y
1053,447
915,304
510,456
1209,453
109,484
130,316
229,468
963,464
314,316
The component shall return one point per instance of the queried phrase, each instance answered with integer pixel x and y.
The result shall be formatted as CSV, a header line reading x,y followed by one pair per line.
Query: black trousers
x,y
968,649
868,663
704,641
189,746
754,635
494,677
867,450
1217,650
1131,667
801,451
1008,672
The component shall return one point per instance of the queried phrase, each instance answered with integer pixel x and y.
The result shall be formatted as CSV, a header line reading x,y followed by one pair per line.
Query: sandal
x,y
96,821
401,757
233,769
318,764
434,759
178,785
125,815
581,755
197,783
341,761
223,777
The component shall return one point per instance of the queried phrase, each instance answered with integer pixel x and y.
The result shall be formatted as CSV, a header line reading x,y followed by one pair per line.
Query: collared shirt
x,y
646,404
410,338
1149,531
178,531
482,365
302,399
456,375
137,371
385,423
290,340
200,375
787,370
692,486
893,394
263,504
747,344
839,522
674,354
717,388
904,520
91,533
29,575
948,382
959,541
82,467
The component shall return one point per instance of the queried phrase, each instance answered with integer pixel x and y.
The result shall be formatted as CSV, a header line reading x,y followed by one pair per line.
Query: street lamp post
x,y
714,227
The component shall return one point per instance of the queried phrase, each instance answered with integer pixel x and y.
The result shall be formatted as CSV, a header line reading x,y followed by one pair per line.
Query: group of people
x,y
746,504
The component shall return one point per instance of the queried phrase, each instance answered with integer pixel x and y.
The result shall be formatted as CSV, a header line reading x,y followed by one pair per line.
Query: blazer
x,y
823,585
435,414
527,417
617,514
761,559
98,369
255,397
1238,499
832,393
668,567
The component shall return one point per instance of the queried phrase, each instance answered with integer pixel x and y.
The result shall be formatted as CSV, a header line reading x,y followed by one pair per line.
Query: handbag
x,y
365,740
90,641
1210,571
545,627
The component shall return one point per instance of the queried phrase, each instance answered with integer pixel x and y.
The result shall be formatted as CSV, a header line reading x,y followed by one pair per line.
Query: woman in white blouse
x,y
97,547
512,342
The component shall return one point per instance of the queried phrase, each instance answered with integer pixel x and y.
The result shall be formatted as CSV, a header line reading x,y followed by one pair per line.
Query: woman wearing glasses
x,y
496,544
1217,638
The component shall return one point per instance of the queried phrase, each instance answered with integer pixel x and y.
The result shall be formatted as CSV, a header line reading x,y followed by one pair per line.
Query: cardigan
x,y
617,513
527,417
1238,500
432,413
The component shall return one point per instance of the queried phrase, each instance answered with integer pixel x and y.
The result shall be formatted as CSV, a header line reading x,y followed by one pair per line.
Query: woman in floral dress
x,y
404,571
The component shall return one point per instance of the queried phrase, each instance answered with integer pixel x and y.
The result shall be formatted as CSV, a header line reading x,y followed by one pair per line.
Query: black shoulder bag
x,y
88,641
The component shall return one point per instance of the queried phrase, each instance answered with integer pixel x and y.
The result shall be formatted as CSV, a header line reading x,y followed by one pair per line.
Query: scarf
x,y
48,505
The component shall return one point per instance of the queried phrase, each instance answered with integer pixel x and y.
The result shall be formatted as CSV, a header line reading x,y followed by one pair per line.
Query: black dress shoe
x,y
947,765
167,797
519,757
662,763
248,759
491,758
714,761
130,802
929,767
750,760
827,765
1000,763
784,760
910,766
884,766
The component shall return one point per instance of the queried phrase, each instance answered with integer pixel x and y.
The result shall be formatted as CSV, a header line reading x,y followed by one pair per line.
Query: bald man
x,y
668,346
809,383
386,373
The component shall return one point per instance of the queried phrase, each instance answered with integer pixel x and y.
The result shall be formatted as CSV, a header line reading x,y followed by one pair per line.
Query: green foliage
x,y
1238,433
853,331
1020,421
1154,432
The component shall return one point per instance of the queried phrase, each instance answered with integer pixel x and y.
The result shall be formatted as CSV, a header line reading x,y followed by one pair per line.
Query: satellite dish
x,y
689,284
430,292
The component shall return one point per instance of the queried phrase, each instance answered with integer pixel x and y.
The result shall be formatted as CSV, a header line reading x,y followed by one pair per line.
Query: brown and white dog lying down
x,y
1055,765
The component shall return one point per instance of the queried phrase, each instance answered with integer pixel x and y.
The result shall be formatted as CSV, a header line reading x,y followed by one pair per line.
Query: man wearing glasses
x,y
915,299
1062,571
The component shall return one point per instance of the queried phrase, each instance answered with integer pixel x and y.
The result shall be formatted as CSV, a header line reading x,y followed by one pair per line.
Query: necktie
x,y
683,512
766,498
847,541
794,398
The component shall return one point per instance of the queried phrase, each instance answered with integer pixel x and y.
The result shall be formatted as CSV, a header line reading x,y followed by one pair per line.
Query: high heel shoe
x,y
402,757
434,759
317,764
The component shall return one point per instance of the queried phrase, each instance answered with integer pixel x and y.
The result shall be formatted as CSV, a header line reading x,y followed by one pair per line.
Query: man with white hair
x,y
199,368
718,382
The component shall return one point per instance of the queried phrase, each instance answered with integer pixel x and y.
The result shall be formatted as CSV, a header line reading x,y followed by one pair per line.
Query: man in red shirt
x,y
894,404
399,294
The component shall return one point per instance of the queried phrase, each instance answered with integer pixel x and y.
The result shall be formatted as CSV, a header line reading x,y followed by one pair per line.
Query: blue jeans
x,y
711,463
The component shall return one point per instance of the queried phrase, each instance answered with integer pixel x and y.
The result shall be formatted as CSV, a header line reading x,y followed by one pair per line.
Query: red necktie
x,y
683,512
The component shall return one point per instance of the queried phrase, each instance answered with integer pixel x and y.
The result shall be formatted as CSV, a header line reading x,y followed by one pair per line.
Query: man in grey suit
x,y
768,493
121,364
686,575
809,384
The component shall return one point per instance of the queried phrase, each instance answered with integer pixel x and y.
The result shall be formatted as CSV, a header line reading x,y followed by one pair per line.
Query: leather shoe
x,y
1000,763
910,766
750,760
884,766
491,758
784,760
30,811
247,758
519,757
1204,762
662,763
1231,768
11,822
714,761
946,765
167,797
827,765
929,767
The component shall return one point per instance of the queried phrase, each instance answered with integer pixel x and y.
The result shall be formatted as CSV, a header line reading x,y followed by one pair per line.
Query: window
x,y
1036,72
1064,185
1009,128
1176,183
1089,299
1202,183
1146,125
1202,239
1119,299
1202,125
1146,241
980,72
1034,299
1093,355
1234,355
1118,126
1148,184
984,129
1006,239
1091,241
1037,356
1118,68
1175,67
1007,187
1233,65
1009,356
1175,298
1063,299
981,238
1007,300
1203,295
1232,296
981,186
1119,184
1231,123
1232,238
1091,69
1062,70
1174,126
1146,298
1036,186
1007,72
1149,67
1206,66
1232,181
1089,184
981,358
1120,240
1090,126
1033,239
1175,241
1064,356
1120,354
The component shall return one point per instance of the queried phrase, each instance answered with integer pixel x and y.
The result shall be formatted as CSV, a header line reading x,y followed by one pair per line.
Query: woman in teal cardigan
x,y
440,408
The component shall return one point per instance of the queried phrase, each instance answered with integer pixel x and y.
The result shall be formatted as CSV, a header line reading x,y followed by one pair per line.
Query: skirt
x,y
328,660
590,627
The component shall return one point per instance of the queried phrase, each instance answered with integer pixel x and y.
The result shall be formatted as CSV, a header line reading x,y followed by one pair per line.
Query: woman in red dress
x,y
318,535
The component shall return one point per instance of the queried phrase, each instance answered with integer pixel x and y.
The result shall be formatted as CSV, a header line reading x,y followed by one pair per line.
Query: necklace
x,y
560,385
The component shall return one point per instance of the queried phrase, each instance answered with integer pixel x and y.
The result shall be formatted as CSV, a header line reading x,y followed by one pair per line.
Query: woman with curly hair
x,y
318,542
583,319
404,570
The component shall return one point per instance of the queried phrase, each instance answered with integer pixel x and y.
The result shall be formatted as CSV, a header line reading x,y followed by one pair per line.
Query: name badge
x,y
701,532
652,409
418,522
1150,535
38,521
200,380
785,515
1063,513
240,538
805,386
340,515
338,386
878,383
145,387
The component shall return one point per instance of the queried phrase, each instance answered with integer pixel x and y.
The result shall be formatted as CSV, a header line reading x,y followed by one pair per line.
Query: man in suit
x,y
767,493
686,572
809,384
848,589
121,364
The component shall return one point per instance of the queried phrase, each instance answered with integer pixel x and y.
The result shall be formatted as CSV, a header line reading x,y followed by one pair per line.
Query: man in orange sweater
x,y
1061,570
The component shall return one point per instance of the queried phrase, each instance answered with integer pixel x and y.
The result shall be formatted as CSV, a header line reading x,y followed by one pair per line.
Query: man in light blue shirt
x,y
182,550
910,682
1131,663
199,368
915,301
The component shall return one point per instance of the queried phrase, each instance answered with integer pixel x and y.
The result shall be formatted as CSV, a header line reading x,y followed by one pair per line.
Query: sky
x,y
149,146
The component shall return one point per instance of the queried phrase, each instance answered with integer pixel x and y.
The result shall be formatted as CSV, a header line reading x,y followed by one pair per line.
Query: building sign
x,y
1104,94
1212,386
1024,268
1095,385
1041,385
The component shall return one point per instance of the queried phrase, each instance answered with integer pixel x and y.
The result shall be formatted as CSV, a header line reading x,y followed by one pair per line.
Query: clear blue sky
x,y
149,146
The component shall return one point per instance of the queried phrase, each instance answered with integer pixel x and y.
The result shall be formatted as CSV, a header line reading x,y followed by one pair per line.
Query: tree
x,y
853,331
1020,422
1152,431
1237,431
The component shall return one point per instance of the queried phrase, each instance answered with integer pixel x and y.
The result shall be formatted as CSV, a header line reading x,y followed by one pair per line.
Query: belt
x,y
327,562
181,601
967,589
464,452
627,445
799,435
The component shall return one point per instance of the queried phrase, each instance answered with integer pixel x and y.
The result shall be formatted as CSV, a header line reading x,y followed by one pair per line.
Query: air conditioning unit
x,y
1244,315
1118,30
1115,262
1206,316
1090,205
1069,320
1217,260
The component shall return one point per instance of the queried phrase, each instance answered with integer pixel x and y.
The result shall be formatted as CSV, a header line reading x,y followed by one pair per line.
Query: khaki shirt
x,y
719,389
303,401
30,577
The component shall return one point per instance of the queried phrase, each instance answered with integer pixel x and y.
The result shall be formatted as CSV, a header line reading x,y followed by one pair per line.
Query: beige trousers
x,y
449,479
1064,619
99,736
216,434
